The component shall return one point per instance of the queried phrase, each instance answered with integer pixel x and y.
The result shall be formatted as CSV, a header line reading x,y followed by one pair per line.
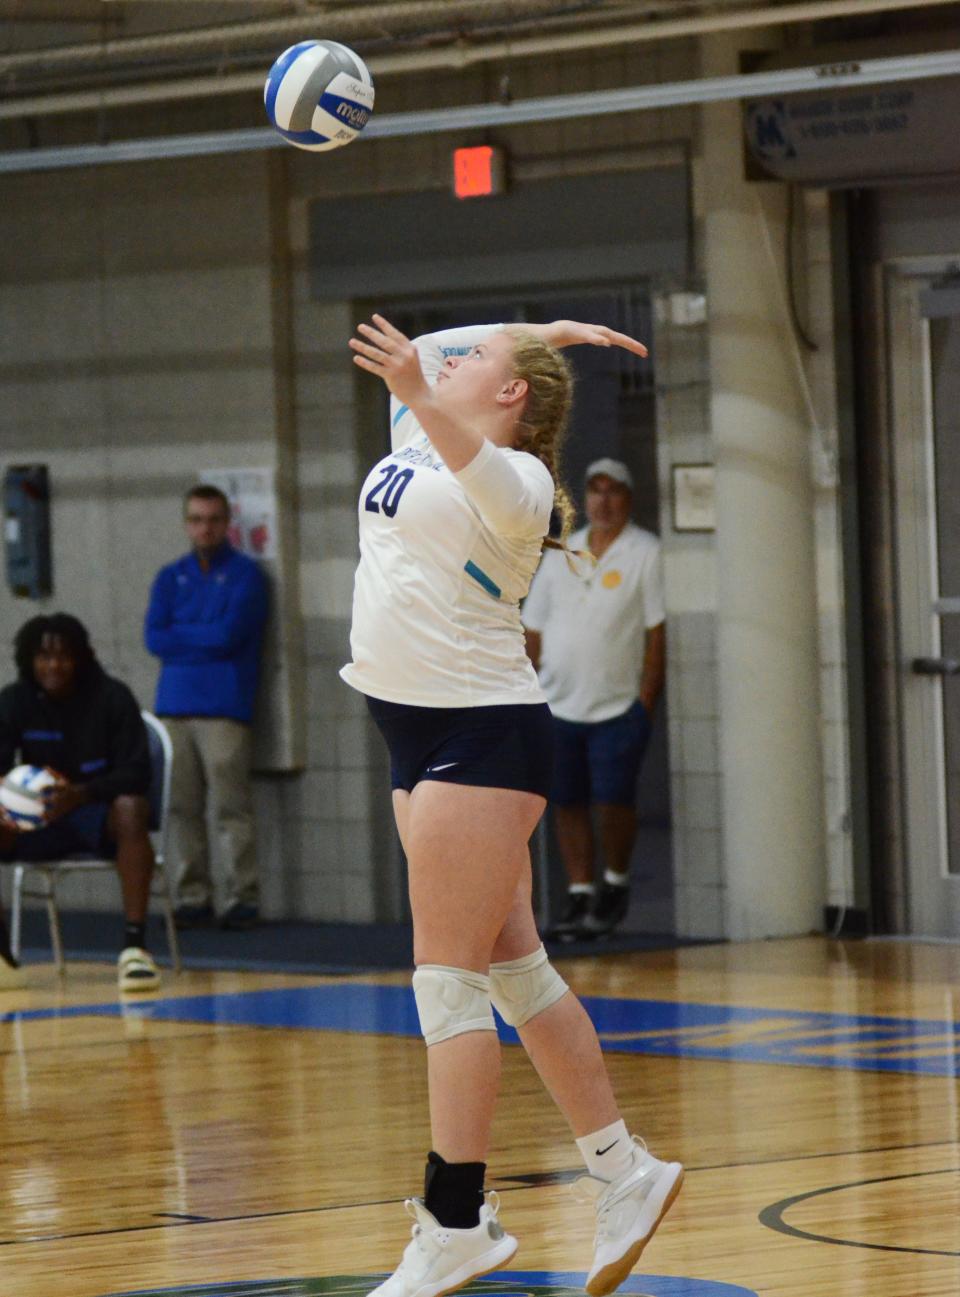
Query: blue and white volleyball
x,y
21,795
319,95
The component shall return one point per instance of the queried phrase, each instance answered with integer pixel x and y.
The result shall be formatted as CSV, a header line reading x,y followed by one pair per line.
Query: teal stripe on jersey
x,y
399,415
481,578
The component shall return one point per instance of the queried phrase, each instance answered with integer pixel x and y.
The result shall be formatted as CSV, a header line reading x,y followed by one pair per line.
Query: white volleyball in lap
x,y
319,95
21,794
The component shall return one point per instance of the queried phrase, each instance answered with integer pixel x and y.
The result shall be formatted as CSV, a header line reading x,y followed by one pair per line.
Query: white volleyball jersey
x,y
445,559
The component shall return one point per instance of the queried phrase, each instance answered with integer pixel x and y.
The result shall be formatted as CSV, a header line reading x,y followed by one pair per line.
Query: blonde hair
x,y
546,411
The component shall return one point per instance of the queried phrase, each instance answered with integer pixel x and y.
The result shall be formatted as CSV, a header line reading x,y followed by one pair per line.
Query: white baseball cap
x,y
613,468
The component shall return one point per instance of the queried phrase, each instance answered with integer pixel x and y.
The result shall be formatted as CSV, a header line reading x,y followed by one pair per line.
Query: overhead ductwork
x,y
395,38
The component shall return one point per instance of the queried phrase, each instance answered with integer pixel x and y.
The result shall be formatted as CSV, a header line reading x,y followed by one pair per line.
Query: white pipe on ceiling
x,y
375,20
463,55
555,108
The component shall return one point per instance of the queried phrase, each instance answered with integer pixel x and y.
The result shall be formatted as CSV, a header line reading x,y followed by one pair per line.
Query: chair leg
x,y
53,918
161,891
173,939
16,911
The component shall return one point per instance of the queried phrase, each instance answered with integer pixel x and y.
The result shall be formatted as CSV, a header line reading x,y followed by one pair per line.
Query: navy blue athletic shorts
x,y
599,761
509,746
83,830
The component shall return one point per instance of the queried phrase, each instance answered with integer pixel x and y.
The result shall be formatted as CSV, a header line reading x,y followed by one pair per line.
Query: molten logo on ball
x,y
356,117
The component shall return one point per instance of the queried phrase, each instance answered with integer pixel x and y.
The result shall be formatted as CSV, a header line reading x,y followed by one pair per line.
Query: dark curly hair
x,y
62,626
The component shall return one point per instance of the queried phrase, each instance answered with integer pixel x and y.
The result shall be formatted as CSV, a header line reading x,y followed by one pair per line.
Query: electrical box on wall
x,y
26,530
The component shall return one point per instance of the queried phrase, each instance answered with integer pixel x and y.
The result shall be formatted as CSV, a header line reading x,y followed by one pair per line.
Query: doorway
x,y
923,332
614,414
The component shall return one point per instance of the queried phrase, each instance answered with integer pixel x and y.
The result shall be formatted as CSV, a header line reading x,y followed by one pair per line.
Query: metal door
x,y
924,366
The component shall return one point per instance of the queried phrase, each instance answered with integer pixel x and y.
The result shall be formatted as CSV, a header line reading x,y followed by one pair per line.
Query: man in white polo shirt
x,y
597,638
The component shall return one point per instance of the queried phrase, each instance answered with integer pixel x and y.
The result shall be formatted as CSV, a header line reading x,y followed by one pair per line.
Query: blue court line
x,y
505,1283
919,1046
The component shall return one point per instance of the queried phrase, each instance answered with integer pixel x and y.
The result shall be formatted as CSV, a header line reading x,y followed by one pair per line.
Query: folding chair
x,y
39,880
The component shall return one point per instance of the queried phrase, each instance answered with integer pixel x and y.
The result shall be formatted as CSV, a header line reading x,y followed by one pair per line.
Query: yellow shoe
x,y
137,971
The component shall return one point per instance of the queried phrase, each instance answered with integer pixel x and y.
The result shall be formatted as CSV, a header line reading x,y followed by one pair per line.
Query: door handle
x,y
936,666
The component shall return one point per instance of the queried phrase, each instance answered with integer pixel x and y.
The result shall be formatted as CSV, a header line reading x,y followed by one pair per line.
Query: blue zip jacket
x,y
207,628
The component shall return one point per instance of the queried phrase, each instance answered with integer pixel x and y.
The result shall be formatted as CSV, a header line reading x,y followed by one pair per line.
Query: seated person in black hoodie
x,y
65,712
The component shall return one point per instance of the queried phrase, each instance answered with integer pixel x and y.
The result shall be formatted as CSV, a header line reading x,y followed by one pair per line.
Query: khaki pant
x,y
211,760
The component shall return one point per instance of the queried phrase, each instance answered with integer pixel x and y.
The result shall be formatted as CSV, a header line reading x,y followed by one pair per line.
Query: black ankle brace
x,y
453,1191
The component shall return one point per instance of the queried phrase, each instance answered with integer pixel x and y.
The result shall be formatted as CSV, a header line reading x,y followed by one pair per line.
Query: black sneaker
x,y
239,917
193,916
609,910
567,927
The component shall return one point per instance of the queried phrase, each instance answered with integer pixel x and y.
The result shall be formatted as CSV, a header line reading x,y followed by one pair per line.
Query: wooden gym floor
x,y
252,1135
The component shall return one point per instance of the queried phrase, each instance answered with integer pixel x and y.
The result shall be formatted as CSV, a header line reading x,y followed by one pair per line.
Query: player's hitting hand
x,y
572,333
388,353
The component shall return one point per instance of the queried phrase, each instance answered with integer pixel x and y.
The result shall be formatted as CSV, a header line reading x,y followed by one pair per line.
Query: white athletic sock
x,y
616,880
608,1153
581,889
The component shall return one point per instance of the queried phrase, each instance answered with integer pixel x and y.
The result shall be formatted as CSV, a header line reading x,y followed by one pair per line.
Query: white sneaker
x,y
628,1212
438,1260
12,976
137,970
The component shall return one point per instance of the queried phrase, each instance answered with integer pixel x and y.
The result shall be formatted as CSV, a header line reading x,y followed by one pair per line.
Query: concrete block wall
x,y
174,329
157,321
138,347
683,437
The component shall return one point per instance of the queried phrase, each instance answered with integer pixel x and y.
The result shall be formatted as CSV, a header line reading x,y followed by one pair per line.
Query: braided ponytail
x,y
546,412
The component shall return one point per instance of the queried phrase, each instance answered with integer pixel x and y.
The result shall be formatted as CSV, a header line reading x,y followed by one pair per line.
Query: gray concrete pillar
x,y
770,753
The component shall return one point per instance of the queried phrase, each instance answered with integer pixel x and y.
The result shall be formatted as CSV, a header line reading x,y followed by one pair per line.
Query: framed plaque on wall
x,y
693,499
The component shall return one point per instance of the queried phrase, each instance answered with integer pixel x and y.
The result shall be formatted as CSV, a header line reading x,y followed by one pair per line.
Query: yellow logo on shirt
x,y
611,580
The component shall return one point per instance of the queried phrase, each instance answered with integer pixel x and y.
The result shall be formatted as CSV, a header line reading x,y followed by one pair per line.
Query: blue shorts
x,y
487,747
600,761
83,830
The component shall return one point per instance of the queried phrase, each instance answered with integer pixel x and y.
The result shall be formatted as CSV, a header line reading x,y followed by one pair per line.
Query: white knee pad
x,y
522,988
451,1001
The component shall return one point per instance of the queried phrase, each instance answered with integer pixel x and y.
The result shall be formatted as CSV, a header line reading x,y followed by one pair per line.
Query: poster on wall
x,y
252,494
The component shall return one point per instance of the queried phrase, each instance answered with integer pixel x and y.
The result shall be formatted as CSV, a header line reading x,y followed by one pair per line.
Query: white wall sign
x,y
693,497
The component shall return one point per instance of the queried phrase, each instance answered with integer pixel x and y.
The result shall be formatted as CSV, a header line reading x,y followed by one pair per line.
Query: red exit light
x,y
478,172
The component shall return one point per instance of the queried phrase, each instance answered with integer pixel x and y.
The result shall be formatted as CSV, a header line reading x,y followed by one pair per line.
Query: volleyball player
x,y
452,523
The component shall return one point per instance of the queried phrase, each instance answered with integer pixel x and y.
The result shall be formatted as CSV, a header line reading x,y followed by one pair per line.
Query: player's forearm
x,y
573,333
557,333
455,442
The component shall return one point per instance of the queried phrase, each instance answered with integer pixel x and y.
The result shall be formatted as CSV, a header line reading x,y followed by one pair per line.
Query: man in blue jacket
x,y
205,623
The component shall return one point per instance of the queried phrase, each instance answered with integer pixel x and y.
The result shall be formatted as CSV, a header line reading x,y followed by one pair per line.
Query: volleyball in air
x,y
319,95
21,794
